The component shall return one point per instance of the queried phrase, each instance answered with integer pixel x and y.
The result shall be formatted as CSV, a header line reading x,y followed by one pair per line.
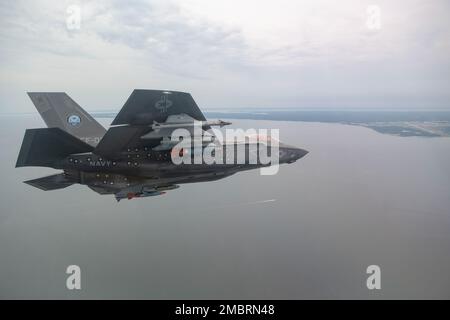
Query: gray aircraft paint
x,y
58,110
133,158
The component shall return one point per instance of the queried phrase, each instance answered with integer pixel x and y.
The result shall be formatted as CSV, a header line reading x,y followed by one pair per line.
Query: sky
x,y
228,54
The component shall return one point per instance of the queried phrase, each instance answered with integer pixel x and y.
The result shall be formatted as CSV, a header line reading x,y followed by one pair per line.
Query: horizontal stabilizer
x,y
53,182
42,147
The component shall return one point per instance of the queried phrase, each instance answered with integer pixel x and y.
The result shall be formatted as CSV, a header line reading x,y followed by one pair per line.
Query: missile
x,y
204,124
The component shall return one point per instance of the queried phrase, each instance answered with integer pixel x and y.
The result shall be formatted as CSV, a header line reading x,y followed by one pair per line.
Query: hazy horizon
x,y
99,111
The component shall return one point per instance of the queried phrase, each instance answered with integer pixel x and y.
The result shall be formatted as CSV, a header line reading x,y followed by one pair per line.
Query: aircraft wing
x,y
135,187
143,107
142,110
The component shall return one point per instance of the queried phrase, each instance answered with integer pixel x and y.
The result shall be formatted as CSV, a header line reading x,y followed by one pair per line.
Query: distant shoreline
x,y
401,122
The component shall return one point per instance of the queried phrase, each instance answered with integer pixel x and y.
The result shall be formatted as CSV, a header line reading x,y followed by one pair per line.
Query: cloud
x,y
246,53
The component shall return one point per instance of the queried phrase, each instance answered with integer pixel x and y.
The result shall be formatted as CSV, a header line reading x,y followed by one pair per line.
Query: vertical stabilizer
x,y
59,111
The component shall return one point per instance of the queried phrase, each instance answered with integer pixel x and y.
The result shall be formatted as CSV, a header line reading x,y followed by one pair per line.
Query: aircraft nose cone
x,y
295,154
300,153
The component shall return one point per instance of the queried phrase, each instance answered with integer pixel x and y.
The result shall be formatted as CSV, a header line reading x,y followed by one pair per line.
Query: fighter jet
x,y
134,157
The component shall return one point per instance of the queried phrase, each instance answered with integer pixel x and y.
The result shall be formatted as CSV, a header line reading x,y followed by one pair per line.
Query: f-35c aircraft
x,y
133,157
